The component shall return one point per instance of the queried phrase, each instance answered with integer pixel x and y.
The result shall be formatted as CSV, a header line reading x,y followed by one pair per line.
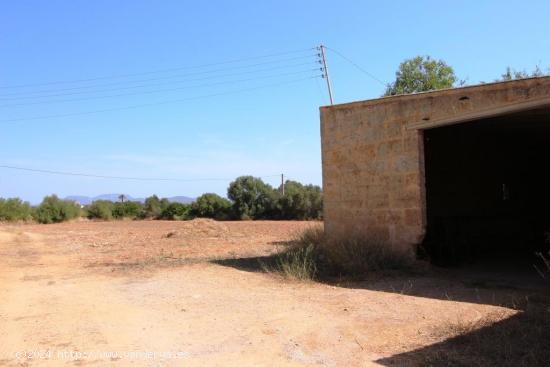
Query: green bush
x,y
14,209
54,210
100,209
152,208
175,211
252,198
300,202
127,209
211,206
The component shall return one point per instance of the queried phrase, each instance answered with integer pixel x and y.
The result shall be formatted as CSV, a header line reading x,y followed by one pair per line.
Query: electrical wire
x,y
30,94
157,91
157,71
157,84
357,66
79,174
157,103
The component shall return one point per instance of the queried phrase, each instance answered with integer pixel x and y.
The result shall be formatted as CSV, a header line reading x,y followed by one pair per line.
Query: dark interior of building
x,y
488,188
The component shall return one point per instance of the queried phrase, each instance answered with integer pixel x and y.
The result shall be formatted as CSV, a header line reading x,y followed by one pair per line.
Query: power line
x,y
78,174
357,66
158,90
157,71
157,103
30,94
157,84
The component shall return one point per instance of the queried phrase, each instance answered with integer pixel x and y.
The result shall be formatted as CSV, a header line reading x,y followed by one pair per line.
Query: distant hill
x,y
181,199
85,200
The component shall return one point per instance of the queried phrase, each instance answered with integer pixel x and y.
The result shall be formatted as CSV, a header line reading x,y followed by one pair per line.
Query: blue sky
x,y
261,132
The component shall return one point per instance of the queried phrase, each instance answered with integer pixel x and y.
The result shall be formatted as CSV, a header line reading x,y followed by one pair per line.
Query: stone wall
x,y
373,166
372,174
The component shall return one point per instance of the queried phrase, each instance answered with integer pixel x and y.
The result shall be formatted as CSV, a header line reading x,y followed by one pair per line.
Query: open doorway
x,y
488,188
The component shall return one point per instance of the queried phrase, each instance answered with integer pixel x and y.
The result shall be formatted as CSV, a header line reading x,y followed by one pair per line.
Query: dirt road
x,y
80,301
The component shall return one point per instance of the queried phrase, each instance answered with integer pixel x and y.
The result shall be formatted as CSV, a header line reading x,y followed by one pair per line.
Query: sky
x,y
217,89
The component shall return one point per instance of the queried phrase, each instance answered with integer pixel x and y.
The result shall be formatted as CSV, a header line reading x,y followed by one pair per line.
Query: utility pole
x,y
283,183
325,72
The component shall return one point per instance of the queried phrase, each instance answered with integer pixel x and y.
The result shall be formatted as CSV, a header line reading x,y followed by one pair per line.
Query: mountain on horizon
x,y
85,200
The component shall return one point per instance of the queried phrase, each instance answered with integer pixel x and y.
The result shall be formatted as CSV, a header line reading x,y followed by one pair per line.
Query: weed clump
x,y
299,262
311,255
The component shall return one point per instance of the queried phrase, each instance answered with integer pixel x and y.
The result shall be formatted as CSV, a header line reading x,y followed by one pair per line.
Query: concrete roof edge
x,y
374,101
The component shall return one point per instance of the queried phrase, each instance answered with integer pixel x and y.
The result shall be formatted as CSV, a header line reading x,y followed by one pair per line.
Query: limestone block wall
x,y
373,165
372,174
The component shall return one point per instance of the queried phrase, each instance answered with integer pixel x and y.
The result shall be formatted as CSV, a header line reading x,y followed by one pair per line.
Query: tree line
x,y
248,197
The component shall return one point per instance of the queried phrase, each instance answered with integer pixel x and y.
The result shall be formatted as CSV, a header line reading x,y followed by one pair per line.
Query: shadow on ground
x,y
499,284
521,340
251,264
255,263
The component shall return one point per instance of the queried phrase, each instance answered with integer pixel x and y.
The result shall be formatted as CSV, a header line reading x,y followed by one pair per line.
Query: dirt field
x,y
147,293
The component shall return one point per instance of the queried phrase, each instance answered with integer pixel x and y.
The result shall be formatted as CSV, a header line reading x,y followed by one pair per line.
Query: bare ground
x,y
110,289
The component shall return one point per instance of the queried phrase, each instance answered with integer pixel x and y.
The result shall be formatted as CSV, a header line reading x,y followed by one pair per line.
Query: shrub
x,y
127,209
175,211
211,206
164,204
54,210
14,209
100,209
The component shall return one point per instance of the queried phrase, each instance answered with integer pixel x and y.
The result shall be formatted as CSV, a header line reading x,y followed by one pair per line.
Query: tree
x,y
152,207
421,74
293,205
252,198
54,210
300,202
211,206
315,198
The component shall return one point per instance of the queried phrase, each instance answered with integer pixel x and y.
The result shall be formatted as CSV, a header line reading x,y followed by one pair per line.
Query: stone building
x,y
463,167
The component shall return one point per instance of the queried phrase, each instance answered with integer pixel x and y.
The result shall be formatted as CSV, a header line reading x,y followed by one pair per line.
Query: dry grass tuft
x,y
356,256
298,262
310,255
